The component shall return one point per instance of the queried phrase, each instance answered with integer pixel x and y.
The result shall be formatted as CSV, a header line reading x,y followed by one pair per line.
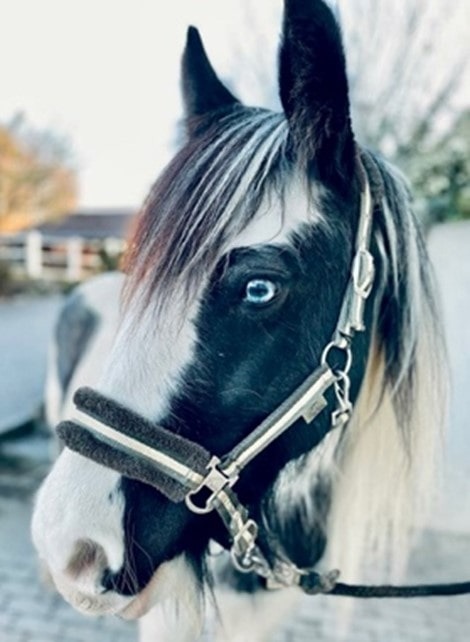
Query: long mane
x,y
387,464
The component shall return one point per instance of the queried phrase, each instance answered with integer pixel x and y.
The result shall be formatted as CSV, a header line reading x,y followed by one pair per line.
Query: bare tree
x,y
407,63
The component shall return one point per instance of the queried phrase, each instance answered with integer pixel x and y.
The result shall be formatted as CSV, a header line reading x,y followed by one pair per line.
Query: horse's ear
x,y
313,86
203,92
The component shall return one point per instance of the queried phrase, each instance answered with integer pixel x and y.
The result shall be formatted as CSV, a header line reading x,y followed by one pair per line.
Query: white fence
x,y
57,259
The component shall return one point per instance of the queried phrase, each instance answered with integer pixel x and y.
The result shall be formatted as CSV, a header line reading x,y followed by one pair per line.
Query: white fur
x,y
275,224
56,529
384,489
177,610
242,617
297,479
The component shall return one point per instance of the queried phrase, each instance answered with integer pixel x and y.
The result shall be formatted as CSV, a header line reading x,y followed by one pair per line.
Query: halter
x,y
181,469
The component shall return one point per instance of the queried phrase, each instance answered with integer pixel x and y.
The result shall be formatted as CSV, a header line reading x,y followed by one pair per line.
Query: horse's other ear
x,y
314,89
203,92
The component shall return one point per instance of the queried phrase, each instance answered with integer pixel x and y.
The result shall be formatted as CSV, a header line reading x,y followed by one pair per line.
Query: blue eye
x,y
260,291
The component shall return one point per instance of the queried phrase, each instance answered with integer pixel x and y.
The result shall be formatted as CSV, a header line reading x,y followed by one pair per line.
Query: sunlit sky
x,y
105,73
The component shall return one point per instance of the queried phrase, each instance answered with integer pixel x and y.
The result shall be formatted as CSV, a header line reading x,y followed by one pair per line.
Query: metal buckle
x,y
284,575
363,272
215,481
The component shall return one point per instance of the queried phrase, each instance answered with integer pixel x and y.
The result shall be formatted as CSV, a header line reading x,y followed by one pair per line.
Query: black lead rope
x,y
315,584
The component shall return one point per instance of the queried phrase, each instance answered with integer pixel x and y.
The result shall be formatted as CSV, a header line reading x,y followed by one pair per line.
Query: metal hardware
x,y
283,575
341,344
343,412
315,584
243,547
215,481
363,272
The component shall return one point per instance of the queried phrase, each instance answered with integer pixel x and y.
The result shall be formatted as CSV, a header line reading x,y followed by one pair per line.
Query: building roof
x,y
96,224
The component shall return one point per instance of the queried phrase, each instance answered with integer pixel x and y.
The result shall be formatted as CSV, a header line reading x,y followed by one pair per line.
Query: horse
x,y
83,334
272,246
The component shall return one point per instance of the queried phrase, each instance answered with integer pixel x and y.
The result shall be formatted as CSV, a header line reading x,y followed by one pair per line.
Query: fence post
x,y
74,259
33,254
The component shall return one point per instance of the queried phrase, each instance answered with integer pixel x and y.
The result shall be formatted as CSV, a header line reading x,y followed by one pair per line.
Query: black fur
x,y
203,92
314,89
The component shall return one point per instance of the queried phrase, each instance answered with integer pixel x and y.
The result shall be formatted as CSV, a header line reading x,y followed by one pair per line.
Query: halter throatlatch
x,y
181,469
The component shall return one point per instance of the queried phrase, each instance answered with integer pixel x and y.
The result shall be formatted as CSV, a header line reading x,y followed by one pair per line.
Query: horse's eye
x,y
260,291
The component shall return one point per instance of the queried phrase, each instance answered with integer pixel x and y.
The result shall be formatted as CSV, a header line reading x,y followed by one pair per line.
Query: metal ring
x,y
343,345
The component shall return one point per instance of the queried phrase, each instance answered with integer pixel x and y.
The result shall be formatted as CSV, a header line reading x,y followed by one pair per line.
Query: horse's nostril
x,y
87,556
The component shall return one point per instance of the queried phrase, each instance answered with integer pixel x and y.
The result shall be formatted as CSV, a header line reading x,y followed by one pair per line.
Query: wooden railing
x,y
69,259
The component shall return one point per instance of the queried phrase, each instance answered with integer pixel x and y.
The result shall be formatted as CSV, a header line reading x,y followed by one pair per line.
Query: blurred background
x,y
90,113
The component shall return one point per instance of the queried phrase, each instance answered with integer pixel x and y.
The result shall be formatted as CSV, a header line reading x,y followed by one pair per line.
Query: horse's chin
x,y
170,607
145,600
109,603
175,590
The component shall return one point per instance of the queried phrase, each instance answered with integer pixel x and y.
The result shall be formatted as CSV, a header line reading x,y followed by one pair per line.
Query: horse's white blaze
x,y
149,355
276,224
73,504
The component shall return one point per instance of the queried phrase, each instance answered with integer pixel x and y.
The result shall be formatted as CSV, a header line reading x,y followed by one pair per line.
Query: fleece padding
x,y
82,440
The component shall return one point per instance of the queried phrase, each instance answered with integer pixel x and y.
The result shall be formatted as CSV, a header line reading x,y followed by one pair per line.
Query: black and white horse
x,y
236,278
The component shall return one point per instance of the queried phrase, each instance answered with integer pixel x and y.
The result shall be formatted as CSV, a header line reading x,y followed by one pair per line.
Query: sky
x,y
106,74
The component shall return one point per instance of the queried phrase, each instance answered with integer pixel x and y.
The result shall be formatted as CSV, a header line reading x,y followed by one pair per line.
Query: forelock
x,y
206,196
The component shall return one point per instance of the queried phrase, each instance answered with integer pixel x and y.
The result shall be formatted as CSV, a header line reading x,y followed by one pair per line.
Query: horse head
x,y
236,278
